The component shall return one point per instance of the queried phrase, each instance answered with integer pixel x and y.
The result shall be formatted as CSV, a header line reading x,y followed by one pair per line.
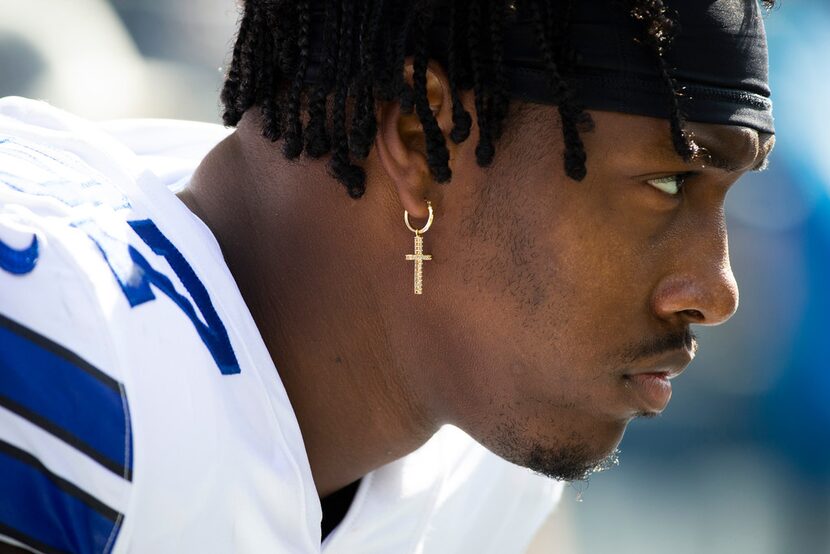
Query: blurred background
x,y
740,462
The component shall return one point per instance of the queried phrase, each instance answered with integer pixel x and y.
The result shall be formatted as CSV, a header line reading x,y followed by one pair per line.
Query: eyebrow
x,y
714,159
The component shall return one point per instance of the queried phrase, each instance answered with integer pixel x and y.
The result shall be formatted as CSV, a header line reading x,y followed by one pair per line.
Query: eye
x,y
671,185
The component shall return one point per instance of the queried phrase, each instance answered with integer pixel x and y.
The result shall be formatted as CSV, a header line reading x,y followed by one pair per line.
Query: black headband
x,y
718,58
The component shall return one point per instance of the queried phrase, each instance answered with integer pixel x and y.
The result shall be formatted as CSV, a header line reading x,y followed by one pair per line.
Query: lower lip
x,y
653,390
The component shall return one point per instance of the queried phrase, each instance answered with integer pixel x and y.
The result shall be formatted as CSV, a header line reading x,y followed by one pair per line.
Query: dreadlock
x,y
571,114
658,31
362,53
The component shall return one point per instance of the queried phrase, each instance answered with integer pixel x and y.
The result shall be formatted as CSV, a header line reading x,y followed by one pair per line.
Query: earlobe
x,y
401,145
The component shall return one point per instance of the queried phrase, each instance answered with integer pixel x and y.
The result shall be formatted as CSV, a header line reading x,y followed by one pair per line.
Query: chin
x,y
572,463
565,453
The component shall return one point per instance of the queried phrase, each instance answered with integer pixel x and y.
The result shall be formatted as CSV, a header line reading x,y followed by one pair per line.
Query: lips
x,y
653,390
650,384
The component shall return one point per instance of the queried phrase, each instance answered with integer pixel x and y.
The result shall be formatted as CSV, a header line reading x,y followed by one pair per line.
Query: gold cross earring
x,y
419,257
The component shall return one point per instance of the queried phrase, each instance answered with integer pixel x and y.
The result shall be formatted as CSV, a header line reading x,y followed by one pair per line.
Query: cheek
x,y
590,283
542,290
528,307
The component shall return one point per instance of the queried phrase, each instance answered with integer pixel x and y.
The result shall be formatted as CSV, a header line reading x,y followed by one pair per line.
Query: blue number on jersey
x,y
72,185
18,262
212,331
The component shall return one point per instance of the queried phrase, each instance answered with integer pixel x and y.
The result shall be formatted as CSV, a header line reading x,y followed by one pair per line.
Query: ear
x,y
401,145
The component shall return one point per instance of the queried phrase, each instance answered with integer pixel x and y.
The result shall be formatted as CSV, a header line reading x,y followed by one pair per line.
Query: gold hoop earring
x,y
419,257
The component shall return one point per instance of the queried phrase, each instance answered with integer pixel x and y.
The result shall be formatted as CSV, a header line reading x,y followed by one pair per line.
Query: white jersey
x,y
139,408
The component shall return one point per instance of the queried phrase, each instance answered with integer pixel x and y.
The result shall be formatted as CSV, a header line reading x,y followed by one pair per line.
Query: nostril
x,y
695,315
695,299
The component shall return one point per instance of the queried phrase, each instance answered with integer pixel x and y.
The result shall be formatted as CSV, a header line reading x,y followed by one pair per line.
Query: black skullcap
x,y
718,57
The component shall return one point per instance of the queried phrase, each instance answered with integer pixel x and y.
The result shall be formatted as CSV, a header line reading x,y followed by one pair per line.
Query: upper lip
x,y
671,364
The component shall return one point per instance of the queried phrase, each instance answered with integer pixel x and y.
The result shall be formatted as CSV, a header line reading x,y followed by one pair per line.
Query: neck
x,y
318,272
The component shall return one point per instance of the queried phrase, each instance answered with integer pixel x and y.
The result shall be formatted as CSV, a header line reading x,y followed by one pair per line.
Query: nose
x,y
701,288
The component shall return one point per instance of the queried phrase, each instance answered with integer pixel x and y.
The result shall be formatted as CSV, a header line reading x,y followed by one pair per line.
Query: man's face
x,y
560,297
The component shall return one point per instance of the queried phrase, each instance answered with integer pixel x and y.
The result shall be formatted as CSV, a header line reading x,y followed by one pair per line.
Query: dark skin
x,y
543,295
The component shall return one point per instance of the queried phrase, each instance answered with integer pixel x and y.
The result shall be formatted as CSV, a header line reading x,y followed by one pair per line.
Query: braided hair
x,y
363,48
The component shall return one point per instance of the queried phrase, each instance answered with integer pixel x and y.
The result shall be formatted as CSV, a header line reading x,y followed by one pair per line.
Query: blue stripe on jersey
x,y
66,396
39,508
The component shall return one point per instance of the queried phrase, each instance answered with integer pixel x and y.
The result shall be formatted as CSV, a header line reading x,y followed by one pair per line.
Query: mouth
x,y
651,385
